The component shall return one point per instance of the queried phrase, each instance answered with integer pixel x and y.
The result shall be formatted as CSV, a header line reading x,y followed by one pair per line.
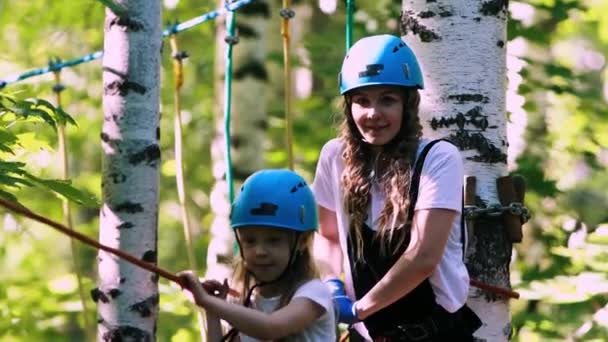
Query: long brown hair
x,y
391,169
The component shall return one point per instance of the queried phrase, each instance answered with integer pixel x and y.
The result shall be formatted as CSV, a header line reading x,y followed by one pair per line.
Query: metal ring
x,y
231,40
287,13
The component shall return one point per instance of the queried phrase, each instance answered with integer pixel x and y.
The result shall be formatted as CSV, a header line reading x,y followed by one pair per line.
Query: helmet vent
x,y
372,70
396,48
295,188
265,209
406,70
302,213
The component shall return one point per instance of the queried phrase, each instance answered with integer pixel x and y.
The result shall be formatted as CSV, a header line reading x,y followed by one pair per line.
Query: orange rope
x,y
19,209
287,14
494,289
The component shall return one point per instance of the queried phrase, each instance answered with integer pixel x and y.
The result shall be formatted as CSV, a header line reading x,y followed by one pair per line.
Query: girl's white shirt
x,y
323,329
440,186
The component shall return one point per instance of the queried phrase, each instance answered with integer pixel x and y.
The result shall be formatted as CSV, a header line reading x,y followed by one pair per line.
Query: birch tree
x,y
127,296
461,46
248,124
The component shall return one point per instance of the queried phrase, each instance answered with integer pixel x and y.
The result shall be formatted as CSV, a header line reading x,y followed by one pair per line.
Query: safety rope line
x,y
231,39
21,210
287,13
98,54
178,56
350,4
67,211
178,70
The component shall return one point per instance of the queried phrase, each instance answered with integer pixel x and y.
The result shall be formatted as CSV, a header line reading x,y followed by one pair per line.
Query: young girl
x,y
274,218
398,239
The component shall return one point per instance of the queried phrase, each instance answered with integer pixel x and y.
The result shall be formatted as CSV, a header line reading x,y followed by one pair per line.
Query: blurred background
x,y
558,134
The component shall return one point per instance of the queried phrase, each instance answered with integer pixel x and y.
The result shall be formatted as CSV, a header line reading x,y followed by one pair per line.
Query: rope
x,y
178,69
508,293
98,54
287,14
350,4
67,213
178,56
21,210
231,39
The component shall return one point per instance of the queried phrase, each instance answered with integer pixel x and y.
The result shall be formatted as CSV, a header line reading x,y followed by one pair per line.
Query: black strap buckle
x,y
421,331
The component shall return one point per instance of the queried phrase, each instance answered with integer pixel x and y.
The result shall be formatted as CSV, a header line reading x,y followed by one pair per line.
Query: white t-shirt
x,y
323,329
440,187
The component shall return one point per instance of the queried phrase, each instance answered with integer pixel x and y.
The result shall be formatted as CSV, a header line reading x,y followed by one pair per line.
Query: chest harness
x,y
416,316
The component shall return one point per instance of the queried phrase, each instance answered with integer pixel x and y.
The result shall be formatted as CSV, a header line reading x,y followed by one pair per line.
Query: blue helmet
x,y
275,198
380,60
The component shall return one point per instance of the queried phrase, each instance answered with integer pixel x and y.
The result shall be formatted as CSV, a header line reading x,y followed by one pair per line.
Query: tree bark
x,y
461,46
248,125
127,296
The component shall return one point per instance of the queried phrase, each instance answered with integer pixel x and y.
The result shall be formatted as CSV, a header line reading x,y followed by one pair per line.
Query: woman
x,y
398,239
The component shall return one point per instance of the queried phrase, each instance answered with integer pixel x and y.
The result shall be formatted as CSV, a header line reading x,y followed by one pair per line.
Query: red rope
x,y
495,289
168,275
19,209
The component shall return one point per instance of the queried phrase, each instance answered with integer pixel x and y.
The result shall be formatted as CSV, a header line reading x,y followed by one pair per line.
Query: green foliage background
x,y
560,268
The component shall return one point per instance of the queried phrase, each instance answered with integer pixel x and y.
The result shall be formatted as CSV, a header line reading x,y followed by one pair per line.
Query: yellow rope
x,y
287,14
179,165
67,213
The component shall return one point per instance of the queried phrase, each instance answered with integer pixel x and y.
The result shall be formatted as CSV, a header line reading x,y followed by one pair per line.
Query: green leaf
x,y
65,189
64,117
14,182
14,167
8,196
6,140
44,115
58,114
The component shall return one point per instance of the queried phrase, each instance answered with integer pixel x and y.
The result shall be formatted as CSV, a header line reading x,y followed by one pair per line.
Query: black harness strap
x,y
415,183
420,304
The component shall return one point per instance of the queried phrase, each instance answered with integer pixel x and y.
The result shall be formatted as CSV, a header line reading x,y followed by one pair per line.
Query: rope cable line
x,y
287,14
67,212
98,54
231,39
148,266
178,56
178,70
350,4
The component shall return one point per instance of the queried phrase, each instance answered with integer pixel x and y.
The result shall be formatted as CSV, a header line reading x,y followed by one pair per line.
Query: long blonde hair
x,y
392,170
301,270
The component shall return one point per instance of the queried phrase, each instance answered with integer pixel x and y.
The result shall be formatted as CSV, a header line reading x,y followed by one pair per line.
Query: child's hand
x,y
195,290
215,288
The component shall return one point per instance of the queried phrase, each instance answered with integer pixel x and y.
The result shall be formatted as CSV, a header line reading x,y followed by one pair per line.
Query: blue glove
x,y
343,306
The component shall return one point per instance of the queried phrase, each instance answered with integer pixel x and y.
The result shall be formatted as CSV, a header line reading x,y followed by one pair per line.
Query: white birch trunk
x,y
461,47
127,296
248,125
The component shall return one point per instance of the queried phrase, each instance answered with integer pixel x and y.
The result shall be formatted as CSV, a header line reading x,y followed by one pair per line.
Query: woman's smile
x,y
377,111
